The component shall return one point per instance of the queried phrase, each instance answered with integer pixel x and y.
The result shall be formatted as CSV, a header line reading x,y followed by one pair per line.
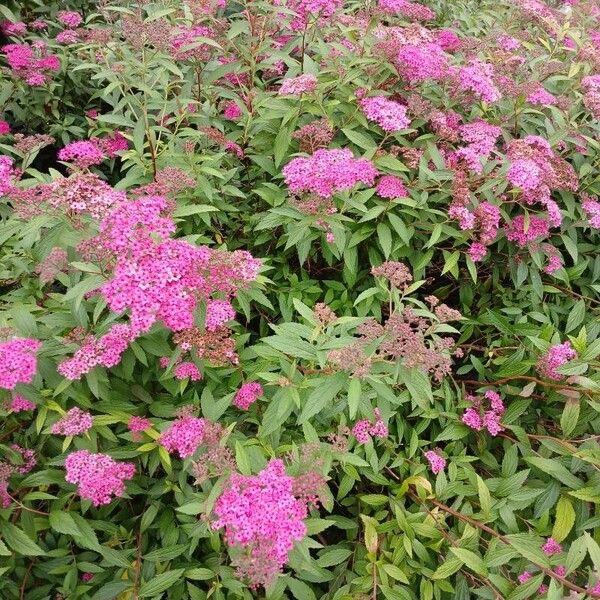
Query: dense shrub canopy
x,y
299,299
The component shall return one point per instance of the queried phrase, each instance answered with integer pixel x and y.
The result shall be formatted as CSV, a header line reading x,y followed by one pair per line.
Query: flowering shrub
x,y
299,299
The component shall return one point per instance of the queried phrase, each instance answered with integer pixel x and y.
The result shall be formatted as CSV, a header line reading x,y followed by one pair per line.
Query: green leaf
x,y
556,470
576,316
485,500
576,554
570,416
360,139
333,557
160,583
385,239
300,590
19,541
471,560
326,390
565,519
354,393
63,522
199,574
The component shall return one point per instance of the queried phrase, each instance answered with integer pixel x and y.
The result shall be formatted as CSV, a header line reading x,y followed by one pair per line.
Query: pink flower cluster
x,y
436,462
69,18
389,115
186,44
537,170
184,436
557,356
390,186
105,351
157,278
262,515
481,139
218,312
551,546
232,110
409,10
187,369
419,62
542,97
7,174
296,86
84,153
328,171
311,10
478,77
247,395
490,419
19,404
592,210
517,231
364,429
18,363
31,62
138,424
98,476
75,422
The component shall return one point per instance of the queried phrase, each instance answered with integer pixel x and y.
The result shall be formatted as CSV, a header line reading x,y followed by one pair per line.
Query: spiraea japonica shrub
x,y
299,299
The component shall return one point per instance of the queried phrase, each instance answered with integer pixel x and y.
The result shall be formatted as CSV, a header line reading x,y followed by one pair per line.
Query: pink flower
x,y
592,211
477,77
407,9
4,127
232,111
184,436
516,232
389,115
18,363
472,419
561,570
19,404
138,424
491,421
541,96
328,171
75,422
218,312
13,28
495,400
262,515
418,63
247,395
84,153
524,173
187,369
557,356
477,252
524,577
69,18
296,86
551,546
390,186
436,462
68,36
363,430
448,40
98,476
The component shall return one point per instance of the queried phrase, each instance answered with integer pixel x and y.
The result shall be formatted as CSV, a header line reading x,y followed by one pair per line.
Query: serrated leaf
x,y
19,541
160,583
471,560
